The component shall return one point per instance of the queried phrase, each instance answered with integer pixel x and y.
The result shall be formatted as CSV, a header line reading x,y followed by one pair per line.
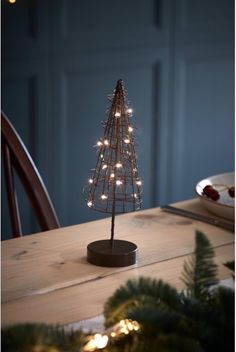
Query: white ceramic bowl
x,y
225,205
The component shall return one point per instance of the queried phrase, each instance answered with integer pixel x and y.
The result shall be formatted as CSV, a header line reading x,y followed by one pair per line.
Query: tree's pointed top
x,y
120,85
119,90
120,82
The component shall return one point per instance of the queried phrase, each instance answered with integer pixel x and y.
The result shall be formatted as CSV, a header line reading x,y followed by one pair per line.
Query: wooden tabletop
x,y
46,277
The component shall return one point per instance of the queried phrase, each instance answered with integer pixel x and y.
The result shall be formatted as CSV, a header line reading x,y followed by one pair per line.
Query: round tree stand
x,y
122,253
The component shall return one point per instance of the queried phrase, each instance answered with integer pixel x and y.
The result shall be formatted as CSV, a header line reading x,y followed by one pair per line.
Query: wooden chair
x,y
16,157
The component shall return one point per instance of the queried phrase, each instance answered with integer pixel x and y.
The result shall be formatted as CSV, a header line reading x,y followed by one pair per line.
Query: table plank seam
x,y
100,277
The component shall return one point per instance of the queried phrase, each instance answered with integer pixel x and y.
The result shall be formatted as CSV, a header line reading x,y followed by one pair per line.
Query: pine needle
x,y
200,272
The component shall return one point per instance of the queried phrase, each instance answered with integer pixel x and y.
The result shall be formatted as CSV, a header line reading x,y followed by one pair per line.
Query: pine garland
x,y
40,338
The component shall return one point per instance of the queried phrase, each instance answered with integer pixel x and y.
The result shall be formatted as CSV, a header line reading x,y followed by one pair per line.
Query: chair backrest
x,y
16,157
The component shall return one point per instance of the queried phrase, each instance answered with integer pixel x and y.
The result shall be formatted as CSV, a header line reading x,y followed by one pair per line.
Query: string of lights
x,y
115,182
100,341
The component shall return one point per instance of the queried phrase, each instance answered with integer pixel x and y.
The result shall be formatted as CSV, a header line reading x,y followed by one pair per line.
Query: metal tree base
x,y
122,253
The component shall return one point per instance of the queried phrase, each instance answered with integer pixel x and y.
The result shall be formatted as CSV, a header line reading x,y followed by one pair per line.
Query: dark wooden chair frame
x,y
16,156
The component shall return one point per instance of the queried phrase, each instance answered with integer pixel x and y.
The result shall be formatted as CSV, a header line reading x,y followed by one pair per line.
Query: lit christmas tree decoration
x,y
115,179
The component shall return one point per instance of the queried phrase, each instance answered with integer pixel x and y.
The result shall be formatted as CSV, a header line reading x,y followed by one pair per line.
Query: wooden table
x,y
46,278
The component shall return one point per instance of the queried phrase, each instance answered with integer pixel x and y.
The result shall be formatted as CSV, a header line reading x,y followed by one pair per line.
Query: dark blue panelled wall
x,y
60,60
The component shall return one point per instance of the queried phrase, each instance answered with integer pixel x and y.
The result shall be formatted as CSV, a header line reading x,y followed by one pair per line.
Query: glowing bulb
x,y
112,175
101,341
130,129
98,341
89,204
139,183
99,143
129,111
90,180
122,322
118,165
104,166
106,142
117,114
103,196
127,141
12,1
130,326
135,195
119,182
101,156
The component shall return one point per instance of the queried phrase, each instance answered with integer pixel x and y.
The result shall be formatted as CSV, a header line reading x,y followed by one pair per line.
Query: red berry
x,y
231,191
215,195
211,193
207,190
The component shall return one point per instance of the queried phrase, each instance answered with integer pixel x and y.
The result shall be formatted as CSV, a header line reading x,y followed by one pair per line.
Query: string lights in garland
x,y
115,186
100,341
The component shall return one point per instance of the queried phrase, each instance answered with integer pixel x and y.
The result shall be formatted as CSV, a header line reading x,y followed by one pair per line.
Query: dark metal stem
x,y
113,224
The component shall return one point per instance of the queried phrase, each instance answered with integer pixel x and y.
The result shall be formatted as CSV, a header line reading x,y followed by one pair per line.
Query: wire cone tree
x,y
115,185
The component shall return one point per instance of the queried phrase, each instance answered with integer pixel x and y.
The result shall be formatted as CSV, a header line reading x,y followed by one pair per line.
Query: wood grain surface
x,y
46,278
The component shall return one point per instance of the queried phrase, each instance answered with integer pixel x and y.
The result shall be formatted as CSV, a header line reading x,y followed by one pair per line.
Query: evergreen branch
x,y
200,272
156,319
139,292
161,343
40,337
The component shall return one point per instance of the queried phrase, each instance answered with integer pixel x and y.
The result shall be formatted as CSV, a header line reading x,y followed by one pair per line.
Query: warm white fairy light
x,y
98,341
90,180
139,183
119,182
103,196
130,129
118,165
104,166
99,143
127,140
106,142
125,326
129,111
112,175
135,195
89,203
117,114
101,156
